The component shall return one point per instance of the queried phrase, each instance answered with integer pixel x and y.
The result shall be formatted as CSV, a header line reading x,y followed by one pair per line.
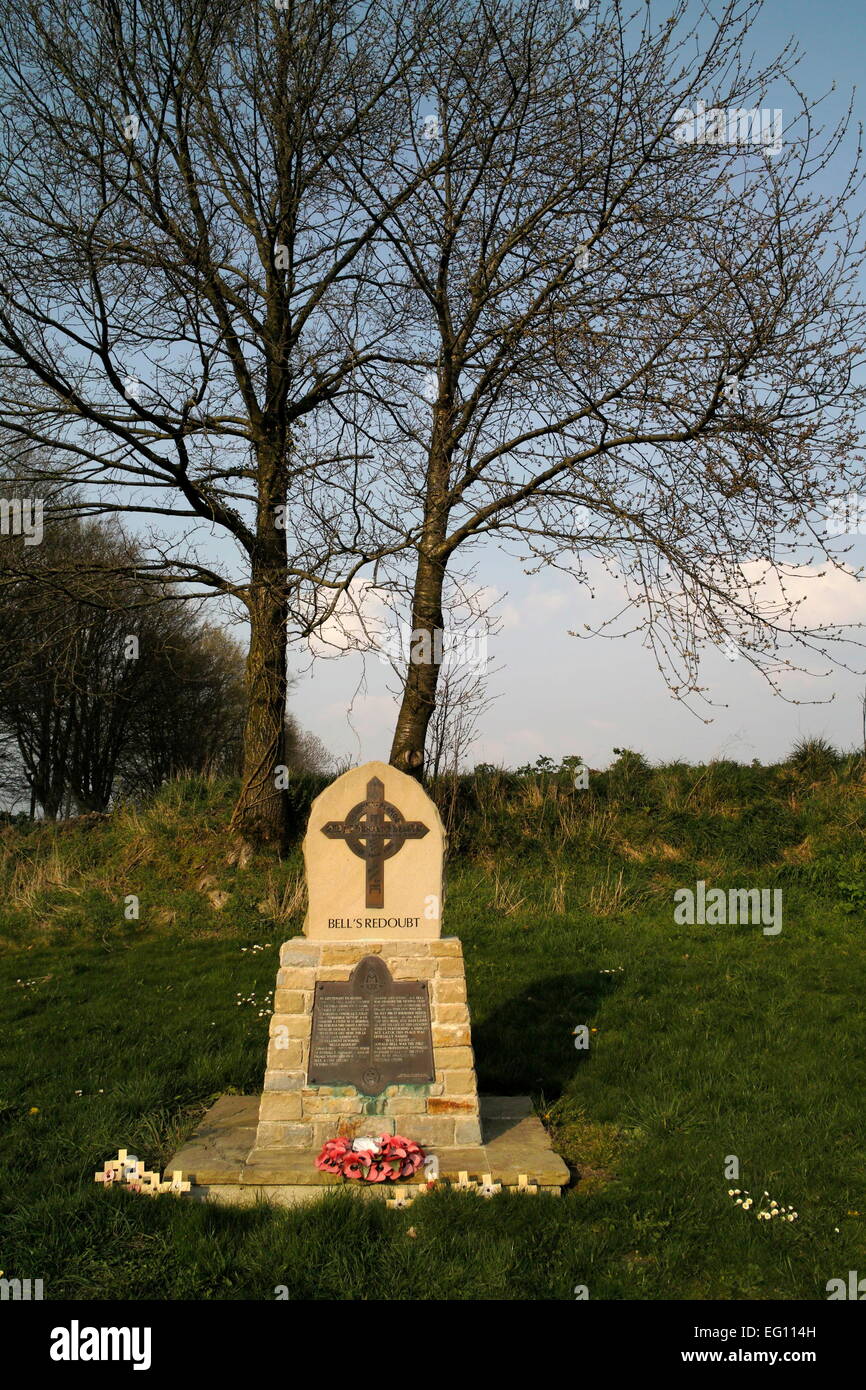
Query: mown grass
x,y
708,1042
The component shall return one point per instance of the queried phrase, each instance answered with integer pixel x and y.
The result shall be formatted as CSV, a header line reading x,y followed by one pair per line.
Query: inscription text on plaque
x,y
371,1031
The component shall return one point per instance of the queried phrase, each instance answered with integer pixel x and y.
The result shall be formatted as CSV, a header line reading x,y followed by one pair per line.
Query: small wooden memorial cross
x,y
375,830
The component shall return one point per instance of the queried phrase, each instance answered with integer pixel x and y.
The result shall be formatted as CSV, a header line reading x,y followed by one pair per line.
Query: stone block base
x,y
296,1117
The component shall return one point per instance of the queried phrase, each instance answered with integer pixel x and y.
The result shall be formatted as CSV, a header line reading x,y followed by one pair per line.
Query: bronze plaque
x,y
371,1031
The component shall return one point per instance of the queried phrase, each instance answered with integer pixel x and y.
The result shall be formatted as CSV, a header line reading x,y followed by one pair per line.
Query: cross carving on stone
x,y
375,830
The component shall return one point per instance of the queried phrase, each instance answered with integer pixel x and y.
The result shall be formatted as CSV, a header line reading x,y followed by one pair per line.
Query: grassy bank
x,y
706,1042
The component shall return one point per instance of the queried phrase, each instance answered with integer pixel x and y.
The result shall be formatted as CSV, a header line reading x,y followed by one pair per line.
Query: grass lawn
x,y
708,1041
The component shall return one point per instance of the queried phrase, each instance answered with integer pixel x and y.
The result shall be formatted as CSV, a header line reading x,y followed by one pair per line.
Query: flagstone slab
x,y
222,1164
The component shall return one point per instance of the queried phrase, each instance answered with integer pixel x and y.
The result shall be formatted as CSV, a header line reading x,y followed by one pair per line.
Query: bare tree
x,y
305,751
190,719
461,700
250,260
633,320
464,671
185,286
100,687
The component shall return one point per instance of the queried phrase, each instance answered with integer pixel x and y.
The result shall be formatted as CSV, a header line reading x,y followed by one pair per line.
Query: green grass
x,y
709,1042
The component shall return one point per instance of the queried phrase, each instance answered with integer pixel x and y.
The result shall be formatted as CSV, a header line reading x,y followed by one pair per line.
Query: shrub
x,y
301,792
629,779
813,758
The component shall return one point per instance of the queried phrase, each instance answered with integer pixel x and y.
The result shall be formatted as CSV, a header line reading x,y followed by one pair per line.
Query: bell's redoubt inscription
x,y
375,830
371,1031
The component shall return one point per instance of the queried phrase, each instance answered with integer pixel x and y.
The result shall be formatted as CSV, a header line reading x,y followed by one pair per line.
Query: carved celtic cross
x,y
375,830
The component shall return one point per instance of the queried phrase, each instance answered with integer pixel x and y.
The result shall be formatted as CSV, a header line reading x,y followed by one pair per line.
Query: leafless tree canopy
x,y
362,286
102,693
636,348
185,287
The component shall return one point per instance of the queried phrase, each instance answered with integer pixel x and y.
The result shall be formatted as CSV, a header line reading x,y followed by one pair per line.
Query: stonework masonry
x,y
441,1114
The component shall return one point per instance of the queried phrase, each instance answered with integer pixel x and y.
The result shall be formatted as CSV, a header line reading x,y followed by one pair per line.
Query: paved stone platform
x,y
222,1164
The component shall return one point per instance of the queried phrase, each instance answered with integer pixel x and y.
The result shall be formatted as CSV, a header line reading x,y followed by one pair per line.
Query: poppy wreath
x,y
386,1159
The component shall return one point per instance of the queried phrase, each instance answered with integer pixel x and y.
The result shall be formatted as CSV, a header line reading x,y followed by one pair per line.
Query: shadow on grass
x,y
526,1044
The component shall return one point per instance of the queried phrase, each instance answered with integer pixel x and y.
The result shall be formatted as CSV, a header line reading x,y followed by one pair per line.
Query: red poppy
x,y
397,1158
380,1172
353,1167
330,1160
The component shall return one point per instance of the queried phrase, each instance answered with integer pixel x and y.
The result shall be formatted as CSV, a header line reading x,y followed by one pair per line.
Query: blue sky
x,y
559,695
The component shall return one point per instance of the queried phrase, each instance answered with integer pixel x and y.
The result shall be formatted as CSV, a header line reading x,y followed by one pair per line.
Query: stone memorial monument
x,y
370,1033
370,1029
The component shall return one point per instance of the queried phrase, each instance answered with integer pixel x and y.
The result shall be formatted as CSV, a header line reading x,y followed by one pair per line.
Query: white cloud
x,y
360,617
534,608
824,594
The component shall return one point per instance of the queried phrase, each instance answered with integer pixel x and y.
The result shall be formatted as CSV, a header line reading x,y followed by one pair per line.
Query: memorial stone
x,y
370,1032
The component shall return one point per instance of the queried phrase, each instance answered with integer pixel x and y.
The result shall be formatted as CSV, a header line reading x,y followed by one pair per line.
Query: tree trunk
x,y
426,649
260,815
50,799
